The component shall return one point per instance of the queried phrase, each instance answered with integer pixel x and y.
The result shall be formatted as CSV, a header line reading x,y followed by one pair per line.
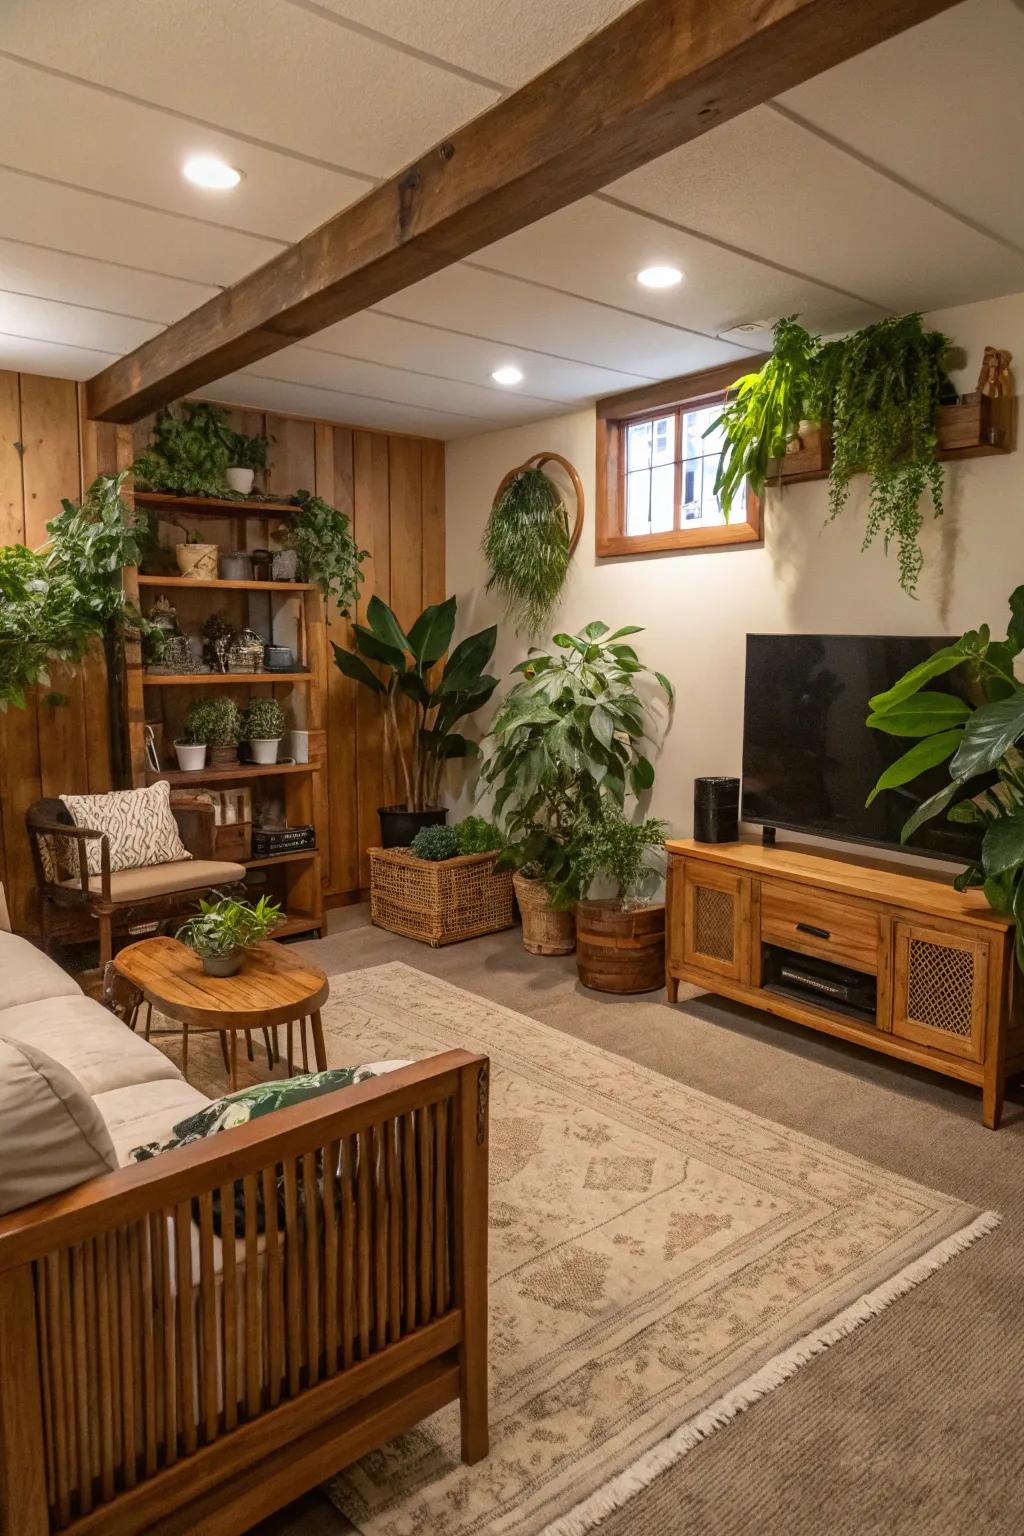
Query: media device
x,y
716,810
809,760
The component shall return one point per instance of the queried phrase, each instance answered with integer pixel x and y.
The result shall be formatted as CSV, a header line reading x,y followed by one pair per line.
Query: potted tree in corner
x,y
620,939
423,744
568,739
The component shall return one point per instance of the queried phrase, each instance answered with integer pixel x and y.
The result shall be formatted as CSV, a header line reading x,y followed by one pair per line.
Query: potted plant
x,y
245,456
191,754
263,725
436,703
568,738
223,929
527,546
620,940
216,722
196,559
445,888
321,539
189,453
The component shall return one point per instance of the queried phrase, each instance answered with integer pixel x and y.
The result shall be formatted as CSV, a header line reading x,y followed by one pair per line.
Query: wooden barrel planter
x,y
620,950
545,932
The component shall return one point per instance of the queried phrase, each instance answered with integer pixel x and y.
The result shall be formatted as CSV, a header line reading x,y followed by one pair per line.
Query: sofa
x,y
189,1342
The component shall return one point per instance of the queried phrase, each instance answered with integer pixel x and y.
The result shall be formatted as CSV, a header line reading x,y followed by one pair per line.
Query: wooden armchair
x,y
77,907
169,1364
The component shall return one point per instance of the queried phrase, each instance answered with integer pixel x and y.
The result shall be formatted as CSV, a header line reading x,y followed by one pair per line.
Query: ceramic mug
x,y
298,745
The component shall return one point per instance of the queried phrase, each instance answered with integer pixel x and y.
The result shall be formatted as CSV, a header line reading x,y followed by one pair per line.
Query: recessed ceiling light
x,y
659,277
508,375
208,171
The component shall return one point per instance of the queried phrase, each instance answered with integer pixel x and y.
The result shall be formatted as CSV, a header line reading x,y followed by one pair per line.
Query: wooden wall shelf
x,y
973,430
213,506
210,679
201,776
196,584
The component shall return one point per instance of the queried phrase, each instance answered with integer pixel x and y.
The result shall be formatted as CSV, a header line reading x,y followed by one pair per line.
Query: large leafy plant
x,y
977,742
526,546
570,737
55,601
411,684
328,553
193,445
223,925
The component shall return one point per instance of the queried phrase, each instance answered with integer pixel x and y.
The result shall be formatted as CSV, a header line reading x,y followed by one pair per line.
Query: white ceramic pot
x,y
191,755
298,742
265,751
240,480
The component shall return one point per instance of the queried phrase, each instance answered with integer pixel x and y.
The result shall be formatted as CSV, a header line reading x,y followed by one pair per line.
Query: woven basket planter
x,y
439,903
545,932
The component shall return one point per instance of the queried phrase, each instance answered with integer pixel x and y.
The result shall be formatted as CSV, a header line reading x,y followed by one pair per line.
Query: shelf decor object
x,y
439,902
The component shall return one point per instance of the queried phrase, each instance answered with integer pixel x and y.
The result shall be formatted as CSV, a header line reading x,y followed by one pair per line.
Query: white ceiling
x,y
886,184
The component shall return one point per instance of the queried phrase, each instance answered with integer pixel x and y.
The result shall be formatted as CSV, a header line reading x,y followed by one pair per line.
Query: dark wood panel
x,y
376,780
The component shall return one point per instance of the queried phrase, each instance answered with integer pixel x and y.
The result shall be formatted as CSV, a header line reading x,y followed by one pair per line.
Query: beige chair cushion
x,y
27,975
138,822
102,1052
52,1136
163,879
147,1112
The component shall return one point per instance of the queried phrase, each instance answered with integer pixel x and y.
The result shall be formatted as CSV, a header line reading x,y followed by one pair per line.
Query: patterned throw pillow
x,y
139,823
252,1104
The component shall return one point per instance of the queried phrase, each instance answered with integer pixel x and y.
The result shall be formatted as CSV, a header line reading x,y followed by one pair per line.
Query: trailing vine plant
x,y
880,389
526,546
328,554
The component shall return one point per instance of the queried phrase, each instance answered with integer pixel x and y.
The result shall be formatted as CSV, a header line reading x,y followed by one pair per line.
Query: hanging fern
x,y
880,389
526,545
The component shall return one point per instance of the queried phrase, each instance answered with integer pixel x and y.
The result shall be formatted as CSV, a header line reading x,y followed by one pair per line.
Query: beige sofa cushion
x,y
52,1136
147,1112
162,879
26,974
102,1052
139,824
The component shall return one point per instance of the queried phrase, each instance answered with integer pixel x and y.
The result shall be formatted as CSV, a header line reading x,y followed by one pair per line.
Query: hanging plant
x,y
881,389
528,541
764,411
328,554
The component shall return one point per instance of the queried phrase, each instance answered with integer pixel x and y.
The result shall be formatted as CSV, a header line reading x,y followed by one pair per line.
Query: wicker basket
x,y
439,903
545,932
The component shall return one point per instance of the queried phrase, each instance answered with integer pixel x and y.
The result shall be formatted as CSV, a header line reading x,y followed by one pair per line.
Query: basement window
x,y
656,472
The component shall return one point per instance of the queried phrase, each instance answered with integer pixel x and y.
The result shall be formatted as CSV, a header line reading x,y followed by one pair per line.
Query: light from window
x,y
670,472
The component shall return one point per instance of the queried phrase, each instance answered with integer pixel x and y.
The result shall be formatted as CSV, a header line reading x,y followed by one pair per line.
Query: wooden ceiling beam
x,y
658,76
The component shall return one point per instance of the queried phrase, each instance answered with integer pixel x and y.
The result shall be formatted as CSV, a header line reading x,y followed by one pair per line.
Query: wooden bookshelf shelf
x,y
212,506
194,584
201,776
212,679
300,856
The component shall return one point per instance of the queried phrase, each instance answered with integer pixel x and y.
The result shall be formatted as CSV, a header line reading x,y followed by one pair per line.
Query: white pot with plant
x,y
217,723
223,929
263,725
191,753
247,454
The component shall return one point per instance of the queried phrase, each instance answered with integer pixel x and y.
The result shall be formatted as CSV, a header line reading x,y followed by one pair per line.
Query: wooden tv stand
x,y
947,990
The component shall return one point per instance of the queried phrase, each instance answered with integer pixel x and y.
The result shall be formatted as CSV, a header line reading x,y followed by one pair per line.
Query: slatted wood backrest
x,y
229,1287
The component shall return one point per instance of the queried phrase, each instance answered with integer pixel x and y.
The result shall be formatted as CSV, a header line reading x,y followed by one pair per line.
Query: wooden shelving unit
x,y
293,878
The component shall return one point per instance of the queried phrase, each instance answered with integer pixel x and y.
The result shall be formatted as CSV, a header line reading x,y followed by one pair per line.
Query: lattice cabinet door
x,y
716,920
940,990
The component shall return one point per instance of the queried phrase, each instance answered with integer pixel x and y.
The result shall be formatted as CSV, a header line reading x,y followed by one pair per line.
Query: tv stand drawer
x,y
831,927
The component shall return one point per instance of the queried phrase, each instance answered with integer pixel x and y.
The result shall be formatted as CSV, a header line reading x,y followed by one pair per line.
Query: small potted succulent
x,y
263,725
191,753
223,929
218,723
247,455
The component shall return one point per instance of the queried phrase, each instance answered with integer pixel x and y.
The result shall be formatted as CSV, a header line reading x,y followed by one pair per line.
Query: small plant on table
x,y
224,928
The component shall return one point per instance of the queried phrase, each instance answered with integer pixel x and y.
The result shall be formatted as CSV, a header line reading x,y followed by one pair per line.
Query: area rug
x,y
660,1260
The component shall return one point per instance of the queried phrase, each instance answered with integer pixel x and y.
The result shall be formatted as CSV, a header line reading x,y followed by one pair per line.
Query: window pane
x,y
638,502
664,449
692,483
663,485
638,446
695,424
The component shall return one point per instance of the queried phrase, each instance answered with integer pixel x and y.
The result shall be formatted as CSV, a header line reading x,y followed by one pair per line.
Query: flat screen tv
x,y
809,760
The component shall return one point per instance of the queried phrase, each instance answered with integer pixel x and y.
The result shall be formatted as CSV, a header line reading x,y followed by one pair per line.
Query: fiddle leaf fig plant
x,y
437,703
980,742
569,738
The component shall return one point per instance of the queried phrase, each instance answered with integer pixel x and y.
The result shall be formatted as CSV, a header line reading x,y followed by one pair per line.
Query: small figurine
x,y
995,379
217,642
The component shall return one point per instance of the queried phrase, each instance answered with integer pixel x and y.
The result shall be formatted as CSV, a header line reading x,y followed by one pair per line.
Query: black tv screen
x,y
809,760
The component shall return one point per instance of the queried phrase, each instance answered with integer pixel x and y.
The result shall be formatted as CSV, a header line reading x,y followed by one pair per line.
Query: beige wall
x,y
806,577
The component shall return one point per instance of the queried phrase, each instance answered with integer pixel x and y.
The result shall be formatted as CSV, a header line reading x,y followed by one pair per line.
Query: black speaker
x,y
716,810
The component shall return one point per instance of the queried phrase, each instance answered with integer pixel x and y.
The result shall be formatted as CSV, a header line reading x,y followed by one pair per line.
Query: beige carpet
x,y
660,1260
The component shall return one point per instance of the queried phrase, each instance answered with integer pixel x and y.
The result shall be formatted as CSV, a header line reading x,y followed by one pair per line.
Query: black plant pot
x,y
398,826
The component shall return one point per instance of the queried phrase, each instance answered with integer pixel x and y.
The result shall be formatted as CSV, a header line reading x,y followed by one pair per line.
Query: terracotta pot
x,y
197,560
620,949
545,932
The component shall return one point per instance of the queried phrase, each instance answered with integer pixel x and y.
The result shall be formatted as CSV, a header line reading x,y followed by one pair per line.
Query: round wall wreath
x,y
529,539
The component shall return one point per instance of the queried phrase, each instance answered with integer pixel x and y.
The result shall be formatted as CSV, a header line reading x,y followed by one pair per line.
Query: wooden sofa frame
x,y
78,914
143,1391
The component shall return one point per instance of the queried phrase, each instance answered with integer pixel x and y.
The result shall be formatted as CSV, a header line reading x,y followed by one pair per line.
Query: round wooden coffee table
x,y
272,988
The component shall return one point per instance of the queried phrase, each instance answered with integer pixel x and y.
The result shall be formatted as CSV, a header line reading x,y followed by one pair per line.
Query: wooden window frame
x,y
670,397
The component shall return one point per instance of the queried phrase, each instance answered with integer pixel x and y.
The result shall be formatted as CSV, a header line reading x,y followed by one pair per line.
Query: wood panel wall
x,y
392,487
